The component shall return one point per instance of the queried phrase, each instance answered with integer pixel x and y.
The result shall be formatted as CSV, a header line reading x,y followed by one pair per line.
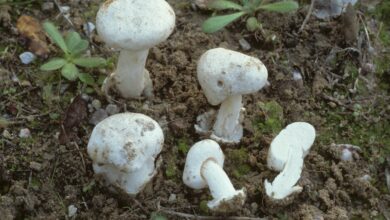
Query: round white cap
x,y
125,141
198,154
298,136
223,73
135,24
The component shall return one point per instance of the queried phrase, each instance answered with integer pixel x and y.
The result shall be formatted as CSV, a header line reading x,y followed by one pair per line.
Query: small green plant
x,y
246,8
73,47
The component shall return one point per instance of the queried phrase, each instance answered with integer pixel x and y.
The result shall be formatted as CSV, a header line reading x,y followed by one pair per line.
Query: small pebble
x,y
47,6
366,177
64,9
89,27
27,57
112,109
96,104
35,166
297,76
172,198
346,155
72,210
98,116
244,44
85,97
24,133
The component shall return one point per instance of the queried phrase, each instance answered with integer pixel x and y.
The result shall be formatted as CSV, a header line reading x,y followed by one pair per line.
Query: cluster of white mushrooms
x,y
125,147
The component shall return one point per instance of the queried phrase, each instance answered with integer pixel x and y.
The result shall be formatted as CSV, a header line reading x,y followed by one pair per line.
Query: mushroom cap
x,y
125,141
135,24
198,154
223,73
296,136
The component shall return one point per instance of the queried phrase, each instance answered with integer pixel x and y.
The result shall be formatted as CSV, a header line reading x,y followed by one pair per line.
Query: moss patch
x,y
240,158
270,120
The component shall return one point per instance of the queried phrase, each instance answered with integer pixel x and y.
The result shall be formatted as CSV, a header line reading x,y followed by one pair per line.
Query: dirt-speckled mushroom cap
x,y
125,141
223,73
198,154
297,136
135,24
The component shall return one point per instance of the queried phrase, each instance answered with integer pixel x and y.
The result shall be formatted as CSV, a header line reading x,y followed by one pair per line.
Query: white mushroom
x,y
225,76
298,135
204,167
124,147
286,153
134,27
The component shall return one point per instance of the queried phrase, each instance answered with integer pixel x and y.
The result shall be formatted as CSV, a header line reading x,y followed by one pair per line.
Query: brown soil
x,y
40,179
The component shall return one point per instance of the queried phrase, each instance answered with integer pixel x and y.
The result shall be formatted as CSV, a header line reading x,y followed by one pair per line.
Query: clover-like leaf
x,y
70,71
89,62
72,39
55,35
53,64
216,23
75,43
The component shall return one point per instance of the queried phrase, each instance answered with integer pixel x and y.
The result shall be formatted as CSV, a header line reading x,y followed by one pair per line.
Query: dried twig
x,y
81,155
190,216
307,16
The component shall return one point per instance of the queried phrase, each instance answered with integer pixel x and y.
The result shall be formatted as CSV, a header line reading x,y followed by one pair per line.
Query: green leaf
x,y
72,39
216,23
284,6
53,64
87,79
223,4
70,71
55,35
75,44
80,47
89,62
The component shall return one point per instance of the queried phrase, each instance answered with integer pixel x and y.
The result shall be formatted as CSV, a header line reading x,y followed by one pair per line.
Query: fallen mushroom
x,y
134,27
225,76
286,154
123,148
204,167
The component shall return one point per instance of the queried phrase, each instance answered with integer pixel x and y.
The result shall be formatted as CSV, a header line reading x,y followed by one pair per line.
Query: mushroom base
x,y
227,127
131,182
229,203
130,77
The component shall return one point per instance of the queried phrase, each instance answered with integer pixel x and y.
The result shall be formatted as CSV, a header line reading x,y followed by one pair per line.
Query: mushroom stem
x,y
217,180
130,74
227,126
